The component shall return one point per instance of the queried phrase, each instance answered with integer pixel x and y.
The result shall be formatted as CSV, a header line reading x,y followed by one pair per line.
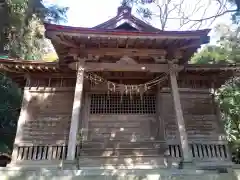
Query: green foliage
x,y
10,103
22,34
210,55
229,99
227,51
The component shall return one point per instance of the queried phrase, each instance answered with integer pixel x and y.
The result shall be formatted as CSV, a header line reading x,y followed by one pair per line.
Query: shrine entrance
x,y
115,117
120,115
121,126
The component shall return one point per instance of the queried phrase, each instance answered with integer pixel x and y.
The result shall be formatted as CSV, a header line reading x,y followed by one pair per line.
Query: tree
x,y
236,15
10,103
227,49
22,34
237,2
228,96
183,14
229,99
211,55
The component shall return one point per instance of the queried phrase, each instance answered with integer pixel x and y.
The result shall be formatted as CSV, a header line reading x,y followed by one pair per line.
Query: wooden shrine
x,y
121,95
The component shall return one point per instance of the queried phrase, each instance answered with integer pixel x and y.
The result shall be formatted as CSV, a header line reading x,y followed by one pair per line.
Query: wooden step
x,y
123,144
119,137
127,161
118,152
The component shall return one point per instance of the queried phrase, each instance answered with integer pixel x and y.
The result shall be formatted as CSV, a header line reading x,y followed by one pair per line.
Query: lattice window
x,y
115,104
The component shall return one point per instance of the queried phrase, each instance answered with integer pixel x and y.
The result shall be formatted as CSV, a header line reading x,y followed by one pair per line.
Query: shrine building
x,y
122,99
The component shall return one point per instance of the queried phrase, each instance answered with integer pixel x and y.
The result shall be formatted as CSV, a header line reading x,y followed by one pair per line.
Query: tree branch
x,y
204,19
185,11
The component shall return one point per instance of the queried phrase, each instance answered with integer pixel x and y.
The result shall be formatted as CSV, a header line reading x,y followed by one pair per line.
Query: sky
x,y
89,13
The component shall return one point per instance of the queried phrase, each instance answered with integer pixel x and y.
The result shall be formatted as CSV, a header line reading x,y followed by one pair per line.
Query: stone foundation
x,y
114,174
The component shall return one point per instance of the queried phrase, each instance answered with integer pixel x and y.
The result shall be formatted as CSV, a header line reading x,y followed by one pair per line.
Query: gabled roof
x,y
124,31
124,23
124,20
79,31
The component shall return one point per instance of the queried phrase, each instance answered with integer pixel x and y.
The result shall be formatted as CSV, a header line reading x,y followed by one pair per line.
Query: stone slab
x,y
114,174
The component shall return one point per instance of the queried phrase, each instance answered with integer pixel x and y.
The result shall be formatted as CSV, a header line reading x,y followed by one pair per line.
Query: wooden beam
x,y
54,74
171,36
194,45
107,75
118,51
58,38
126,75
90,66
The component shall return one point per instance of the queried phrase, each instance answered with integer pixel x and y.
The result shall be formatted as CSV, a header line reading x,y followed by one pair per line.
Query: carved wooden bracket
x,y
174,68
87,58
126,60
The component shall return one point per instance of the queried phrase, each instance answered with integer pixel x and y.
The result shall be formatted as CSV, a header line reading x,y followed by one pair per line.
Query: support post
x,y
77,102
160,120
187,157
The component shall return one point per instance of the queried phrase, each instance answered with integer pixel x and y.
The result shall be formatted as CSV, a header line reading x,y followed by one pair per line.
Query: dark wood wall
x,y
48,115
45,116
199,111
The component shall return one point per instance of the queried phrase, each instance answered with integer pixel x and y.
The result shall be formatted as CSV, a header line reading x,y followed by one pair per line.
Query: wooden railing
x,y
48,152
205,151
208,151
174,150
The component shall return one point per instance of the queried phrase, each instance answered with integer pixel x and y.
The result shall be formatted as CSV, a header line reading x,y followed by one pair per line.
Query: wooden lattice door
x,y
121,118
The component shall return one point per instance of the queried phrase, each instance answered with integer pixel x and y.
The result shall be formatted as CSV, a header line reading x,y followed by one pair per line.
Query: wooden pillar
x,y
160,125
77,102
187,157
